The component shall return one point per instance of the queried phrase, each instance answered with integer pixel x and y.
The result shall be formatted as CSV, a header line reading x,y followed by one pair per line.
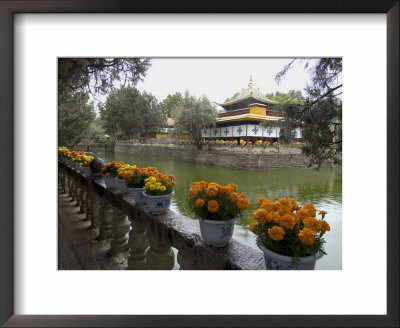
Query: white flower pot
x,y
137,195
275,261
120,185
158,204
110,182
216,233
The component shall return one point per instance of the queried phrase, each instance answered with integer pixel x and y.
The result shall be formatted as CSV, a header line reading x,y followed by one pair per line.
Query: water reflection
x,y
322,188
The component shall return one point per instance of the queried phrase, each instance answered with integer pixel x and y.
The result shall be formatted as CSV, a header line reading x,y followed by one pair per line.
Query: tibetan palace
x,y
241,118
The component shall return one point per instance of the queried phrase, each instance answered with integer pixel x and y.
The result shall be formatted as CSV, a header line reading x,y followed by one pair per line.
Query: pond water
x,y
322,188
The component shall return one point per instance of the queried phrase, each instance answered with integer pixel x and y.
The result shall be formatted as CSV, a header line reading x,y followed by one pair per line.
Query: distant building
x,y
242,116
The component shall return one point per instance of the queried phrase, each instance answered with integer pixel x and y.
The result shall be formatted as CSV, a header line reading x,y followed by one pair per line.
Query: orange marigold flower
x,y
252,225
260,215
212,206
311,209
224,190
324,226
323,213
233,197
302,214
287,221
243,203
212,191
233,186
312,223
272,216
193,192
276,233
199,202
262,200
172,183
171,176
307,236
108,174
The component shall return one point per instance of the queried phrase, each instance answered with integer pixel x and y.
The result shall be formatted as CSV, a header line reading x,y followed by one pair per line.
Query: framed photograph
x,y
35,36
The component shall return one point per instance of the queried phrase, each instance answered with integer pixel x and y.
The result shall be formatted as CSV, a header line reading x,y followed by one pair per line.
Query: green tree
x,y
151,118
320,115
98,75
128,112
75,115
293,96
172,104
196,115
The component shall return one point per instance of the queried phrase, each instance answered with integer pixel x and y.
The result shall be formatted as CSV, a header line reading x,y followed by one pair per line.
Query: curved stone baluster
x,y
160,255
120,228
186,259
94,198
138,244
106,217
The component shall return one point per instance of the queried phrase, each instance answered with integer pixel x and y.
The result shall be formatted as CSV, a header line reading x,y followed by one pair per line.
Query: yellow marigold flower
x,y
199,202
307,236
163,188
311,209
243,203
152,187
312,223
260,215
287,221
193,192
212,206
252,225
276,233
233,197
324,226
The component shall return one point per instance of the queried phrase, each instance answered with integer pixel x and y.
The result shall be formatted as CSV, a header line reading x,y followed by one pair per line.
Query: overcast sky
x,y
218,78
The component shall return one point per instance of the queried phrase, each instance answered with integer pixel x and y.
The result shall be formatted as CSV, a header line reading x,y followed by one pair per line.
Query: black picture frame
x,y
10,7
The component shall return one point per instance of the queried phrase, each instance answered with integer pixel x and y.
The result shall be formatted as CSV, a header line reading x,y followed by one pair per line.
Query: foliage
x,y
96,129
159,185
75,115
293,96
129,112
197,114
215,202
135,177
285,228
319,116
98,75
172,104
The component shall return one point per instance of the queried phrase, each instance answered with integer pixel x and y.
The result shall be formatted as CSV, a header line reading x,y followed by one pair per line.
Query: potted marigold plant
x,y
158,191
83,161
110,172
134,178
291,237
119,179
217,208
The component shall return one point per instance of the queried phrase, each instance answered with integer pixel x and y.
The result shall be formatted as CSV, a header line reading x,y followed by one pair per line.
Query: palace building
x,y
242,116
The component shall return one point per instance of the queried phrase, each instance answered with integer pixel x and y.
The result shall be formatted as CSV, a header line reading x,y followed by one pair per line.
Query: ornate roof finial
x,y
251,83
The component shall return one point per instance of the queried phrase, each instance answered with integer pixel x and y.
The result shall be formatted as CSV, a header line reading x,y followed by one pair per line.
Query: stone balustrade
x,y
148,240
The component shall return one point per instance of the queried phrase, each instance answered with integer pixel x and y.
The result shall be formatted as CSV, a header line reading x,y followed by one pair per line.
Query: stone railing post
x,y
138,244
106,217
187,260
120,228
159,255
94,198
